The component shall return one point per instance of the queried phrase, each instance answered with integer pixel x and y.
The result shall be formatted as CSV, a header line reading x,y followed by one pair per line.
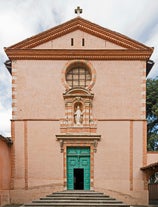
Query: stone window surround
x,y
87,64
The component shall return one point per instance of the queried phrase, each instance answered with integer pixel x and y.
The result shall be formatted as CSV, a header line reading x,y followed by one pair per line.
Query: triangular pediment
x,y
80,24
79,39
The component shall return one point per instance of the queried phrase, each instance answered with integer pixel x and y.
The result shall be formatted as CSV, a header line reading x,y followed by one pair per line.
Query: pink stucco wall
x,y
152,157
117,100
5,172
38,161
117,86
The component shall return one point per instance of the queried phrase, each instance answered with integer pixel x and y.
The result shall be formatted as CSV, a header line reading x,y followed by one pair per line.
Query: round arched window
x,y
78,75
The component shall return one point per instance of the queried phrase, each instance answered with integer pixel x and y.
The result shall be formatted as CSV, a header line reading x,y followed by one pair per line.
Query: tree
x,y
152,114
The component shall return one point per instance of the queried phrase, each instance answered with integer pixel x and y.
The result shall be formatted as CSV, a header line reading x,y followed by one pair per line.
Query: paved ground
x,y
18,205
13,205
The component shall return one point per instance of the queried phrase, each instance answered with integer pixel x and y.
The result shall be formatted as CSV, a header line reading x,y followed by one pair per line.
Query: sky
x,y
20,19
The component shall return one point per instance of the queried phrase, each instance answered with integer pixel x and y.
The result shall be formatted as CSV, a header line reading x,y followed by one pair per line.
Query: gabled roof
x,y
132,50
79,23
6,139
150,166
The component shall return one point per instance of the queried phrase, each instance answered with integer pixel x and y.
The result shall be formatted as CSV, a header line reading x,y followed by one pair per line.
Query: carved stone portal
x,y
78,128
67,139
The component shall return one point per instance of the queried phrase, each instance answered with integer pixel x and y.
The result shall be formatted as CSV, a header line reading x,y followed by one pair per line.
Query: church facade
x,y
79,113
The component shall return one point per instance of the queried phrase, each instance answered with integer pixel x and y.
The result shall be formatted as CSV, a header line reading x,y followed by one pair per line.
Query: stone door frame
x,y
90,141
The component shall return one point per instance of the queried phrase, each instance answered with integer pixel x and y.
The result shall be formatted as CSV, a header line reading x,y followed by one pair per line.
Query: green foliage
x,y
152,114
153,178
152,144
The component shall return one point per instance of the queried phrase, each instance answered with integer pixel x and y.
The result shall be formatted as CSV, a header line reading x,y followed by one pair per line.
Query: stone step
x,y
77,201
77,198
75,195
87,194
79,192
75,204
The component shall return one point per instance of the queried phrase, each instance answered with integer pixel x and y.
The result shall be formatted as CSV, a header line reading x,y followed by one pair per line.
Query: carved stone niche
x,y
78,112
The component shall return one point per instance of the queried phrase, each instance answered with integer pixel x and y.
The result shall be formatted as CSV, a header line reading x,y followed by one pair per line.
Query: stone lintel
x,y
78,137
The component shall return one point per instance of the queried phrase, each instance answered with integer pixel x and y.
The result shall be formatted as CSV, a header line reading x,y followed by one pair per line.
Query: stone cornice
x,y
79,139
48,54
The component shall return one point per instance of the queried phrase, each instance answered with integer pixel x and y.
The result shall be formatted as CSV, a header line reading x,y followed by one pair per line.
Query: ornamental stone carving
x,y
78,112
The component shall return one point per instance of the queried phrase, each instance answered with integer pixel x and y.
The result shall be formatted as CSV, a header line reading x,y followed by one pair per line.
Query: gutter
x,y
8,65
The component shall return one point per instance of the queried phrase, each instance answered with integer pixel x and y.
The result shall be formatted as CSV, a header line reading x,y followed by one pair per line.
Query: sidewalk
x,y
13,205
20,205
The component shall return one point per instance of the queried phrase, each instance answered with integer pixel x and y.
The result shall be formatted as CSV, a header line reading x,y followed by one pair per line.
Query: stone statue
x,y
78,116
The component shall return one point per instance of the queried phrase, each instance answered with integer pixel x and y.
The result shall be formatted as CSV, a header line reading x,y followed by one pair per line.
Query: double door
x,y
78,168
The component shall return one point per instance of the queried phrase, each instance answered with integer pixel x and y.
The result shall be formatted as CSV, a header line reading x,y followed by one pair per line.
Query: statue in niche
x,y
78,116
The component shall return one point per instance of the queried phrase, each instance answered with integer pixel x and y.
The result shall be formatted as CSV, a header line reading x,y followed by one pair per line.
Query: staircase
x,y
76,199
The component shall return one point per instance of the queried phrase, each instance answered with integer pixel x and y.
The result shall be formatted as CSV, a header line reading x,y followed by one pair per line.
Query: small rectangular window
x,y
83,42
72,41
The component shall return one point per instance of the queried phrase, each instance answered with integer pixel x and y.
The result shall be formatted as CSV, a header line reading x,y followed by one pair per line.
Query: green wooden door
x,y
78,158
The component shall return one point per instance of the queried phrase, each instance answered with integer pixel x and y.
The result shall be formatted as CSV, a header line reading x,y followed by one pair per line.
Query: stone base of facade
x,y
4,197
128,197
20,196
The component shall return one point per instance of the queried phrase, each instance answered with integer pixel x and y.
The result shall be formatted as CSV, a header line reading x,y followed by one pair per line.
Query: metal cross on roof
x,y
78,11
